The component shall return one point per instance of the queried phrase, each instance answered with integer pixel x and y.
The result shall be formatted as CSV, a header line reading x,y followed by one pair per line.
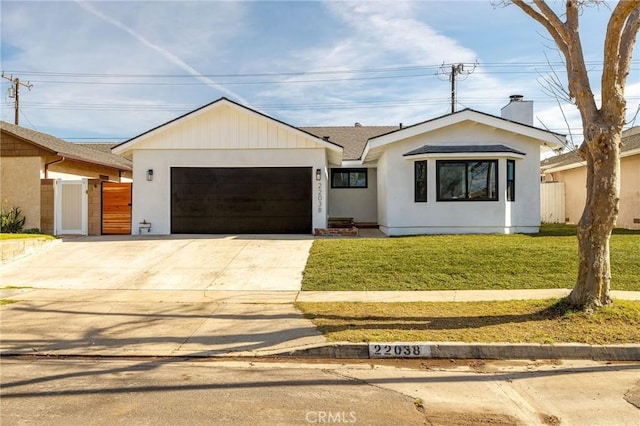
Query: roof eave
x,y
545,137
460,155
99,163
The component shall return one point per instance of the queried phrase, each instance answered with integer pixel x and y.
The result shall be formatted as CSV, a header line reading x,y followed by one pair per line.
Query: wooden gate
x,y
116,208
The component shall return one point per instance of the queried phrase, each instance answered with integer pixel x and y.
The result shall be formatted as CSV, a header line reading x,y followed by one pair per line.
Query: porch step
x,y
366,225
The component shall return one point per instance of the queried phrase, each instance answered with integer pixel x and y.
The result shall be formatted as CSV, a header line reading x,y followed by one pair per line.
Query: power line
x,y
455,70
296,73
14,92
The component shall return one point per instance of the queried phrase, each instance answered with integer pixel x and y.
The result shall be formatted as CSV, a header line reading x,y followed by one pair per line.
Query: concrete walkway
x,y
445,295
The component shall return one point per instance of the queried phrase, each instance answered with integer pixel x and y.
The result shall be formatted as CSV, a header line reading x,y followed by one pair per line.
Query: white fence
x,y
552,202
70,207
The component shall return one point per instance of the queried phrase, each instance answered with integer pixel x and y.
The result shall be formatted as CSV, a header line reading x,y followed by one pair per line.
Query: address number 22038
x,y
392,350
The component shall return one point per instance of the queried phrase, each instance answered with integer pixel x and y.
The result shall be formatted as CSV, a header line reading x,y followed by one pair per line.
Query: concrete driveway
x,y
176,262
157,296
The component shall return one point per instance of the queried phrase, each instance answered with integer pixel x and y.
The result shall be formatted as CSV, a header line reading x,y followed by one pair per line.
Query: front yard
x,y
516,321
463,262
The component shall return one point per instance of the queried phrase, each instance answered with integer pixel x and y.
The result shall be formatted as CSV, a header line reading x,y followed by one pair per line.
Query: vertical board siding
x,y
116,208
228,128
552,202
72,206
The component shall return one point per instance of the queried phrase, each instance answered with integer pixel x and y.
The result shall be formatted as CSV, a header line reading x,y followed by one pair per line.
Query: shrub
x,y
12,220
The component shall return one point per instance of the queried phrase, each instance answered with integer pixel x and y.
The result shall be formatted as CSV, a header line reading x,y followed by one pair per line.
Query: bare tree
x,y
602,128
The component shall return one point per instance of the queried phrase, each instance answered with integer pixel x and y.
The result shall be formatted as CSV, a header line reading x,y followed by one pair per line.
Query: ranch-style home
x,y
226,168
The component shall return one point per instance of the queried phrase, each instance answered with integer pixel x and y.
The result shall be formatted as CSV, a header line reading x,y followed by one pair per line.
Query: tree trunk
x,y
592,289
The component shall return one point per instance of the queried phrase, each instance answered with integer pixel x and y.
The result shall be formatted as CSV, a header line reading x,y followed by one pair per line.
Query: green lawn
x,y
4,236
459,262
517,321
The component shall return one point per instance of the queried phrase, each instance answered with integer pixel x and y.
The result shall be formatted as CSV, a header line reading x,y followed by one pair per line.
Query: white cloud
x,y
169,56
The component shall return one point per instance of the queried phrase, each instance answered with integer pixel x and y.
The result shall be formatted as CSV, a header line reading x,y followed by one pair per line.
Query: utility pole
x,y
456,69
14,92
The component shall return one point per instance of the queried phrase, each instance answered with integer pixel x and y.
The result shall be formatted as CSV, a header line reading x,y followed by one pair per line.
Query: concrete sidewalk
x,y
202,323
445,295
151,323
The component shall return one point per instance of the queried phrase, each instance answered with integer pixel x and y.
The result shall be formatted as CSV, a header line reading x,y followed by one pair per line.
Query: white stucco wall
x,y
361,204
152,199
403,216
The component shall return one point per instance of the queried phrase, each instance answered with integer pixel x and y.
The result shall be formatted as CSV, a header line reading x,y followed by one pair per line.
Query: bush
x,y
31,231
12,220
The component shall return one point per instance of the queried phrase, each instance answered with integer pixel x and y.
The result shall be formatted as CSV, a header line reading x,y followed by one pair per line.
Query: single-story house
x,y
570,169
227,168
30,161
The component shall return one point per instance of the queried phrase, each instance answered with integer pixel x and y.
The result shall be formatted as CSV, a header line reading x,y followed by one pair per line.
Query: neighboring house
x,y
30,160
570,169
225,168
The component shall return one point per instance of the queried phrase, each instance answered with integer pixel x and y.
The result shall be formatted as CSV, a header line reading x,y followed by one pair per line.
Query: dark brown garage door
x,y
241,200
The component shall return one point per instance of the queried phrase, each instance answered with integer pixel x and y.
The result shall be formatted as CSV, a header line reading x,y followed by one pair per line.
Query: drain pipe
x,y
46,166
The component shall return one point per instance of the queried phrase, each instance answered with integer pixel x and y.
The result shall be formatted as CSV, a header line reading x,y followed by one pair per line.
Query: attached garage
x,y
228,200
227,169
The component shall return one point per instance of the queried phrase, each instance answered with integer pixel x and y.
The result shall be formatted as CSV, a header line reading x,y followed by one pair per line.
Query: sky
x,y
108,71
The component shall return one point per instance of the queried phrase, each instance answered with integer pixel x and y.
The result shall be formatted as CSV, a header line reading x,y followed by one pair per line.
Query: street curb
x,y
457,350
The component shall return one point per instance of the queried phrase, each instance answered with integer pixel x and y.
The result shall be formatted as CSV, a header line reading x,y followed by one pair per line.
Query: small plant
x,y
12,220
31,231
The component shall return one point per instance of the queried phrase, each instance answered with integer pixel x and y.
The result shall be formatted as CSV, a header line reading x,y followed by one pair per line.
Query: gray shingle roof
x,y
352,138
67,149
630,141
100,146
455,149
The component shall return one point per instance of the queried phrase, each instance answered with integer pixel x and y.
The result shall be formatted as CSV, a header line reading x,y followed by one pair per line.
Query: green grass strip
x,y
520,321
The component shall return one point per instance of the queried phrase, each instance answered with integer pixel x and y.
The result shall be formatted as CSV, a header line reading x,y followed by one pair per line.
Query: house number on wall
x,y
319,197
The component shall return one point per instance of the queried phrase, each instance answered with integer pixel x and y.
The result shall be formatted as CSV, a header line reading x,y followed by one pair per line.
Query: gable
x,y
225,125
466,127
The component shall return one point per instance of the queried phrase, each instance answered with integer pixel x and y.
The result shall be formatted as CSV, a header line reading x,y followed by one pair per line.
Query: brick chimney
x,y
518,110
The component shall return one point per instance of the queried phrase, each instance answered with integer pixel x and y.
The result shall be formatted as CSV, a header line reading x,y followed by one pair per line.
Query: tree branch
x,y
618,48
567,37
548,19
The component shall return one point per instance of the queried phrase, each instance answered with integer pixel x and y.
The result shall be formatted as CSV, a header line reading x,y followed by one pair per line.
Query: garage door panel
x,y
241,200
236,224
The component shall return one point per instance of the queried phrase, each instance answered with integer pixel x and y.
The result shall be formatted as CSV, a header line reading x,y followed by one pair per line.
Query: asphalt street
x,y
175,391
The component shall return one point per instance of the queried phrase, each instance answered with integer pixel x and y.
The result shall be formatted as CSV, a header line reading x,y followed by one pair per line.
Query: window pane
x,y
478,180
358,179
452,181
511,180
340,179
421,181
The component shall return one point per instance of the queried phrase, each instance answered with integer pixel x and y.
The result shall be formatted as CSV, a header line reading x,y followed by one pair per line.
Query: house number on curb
x,y
392,350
